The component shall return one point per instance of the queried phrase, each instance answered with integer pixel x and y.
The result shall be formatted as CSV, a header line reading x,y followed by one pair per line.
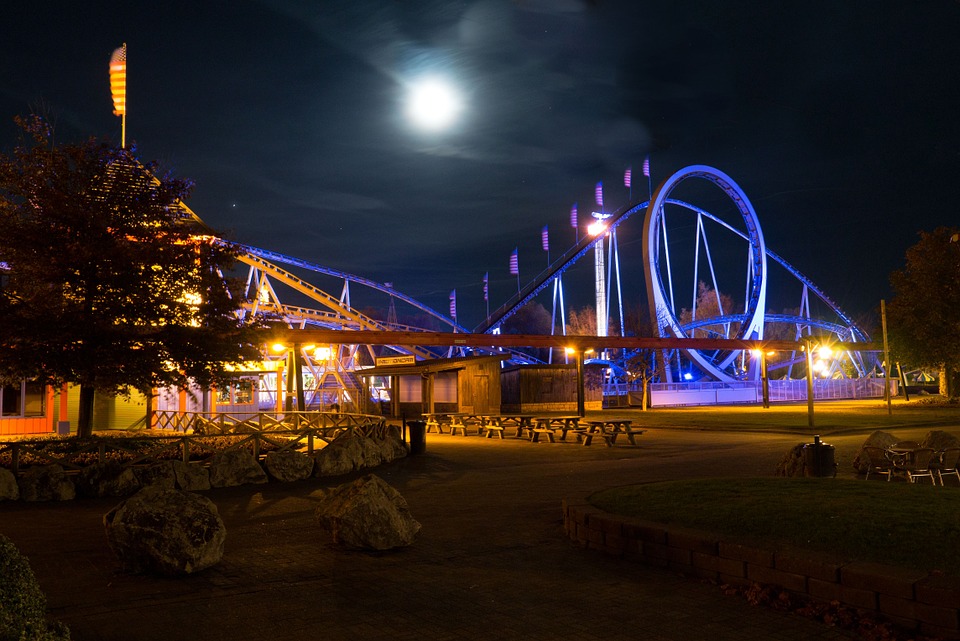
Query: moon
x,y
433,104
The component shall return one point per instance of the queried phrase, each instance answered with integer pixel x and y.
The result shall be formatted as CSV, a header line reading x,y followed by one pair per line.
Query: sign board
x,y
406,359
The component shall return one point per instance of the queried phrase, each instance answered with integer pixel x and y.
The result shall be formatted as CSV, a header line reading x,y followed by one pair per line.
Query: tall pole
x,y
886,358
764,379
581,410
809,350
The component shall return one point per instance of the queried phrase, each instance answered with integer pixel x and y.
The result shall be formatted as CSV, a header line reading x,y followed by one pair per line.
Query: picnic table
x,y
608,430
548,425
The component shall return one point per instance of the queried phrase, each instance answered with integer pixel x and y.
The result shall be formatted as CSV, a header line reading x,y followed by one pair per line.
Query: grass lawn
x,y
830,417
915,526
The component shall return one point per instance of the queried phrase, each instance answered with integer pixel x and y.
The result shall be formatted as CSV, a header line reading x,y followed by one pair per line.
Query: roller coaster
x,y
702,247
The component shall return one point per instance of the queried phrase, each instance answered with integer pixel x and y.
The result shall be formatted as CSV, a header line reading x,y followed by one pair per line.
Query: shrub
x,y
23,606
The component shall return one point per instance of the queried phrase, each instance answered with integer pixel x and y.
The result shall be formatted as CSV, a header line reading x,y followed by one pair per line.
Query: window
x,y
23,400
243,393
239,393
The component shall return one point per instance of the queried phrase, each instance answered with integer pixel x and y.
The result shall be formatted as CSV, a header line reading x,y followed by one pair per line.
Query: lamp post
x,y
581,405
808,347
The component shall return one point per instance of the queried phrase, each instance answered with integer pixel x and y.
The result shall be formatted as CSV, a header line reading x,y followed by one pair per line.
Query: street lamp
x,y
581,409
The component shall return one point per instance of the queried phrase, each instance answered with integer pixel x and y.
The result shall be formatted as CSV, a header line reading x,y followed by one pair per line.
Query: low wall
x,y
911,599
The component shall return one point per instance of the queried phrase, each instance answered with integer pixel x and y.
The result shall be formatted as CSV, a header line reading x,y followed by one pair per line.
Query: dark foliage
x,y
109,282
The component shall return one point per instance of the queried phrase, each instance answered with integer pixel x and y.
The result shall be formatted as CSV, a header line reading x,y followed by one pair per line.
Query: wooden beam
x,y
578,343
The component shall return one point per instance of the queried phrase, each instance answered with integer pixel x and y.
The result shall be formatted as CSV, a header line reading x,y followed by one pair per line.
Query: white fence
x,y
714,393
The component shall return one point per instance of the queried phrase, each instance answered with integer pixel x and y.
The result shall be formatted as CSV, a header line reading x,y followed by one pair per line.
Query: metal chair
x,y
948,463
918,465
877,461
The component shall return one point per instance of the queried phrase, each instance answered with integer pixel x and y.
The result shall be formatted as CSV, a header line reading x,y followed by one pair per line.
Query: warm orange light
x,y
278,347
118,80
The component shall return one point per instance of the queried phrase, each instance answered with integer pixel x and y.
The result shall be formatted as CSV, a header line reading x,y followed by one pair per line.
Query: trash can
x,y
818,459
417,436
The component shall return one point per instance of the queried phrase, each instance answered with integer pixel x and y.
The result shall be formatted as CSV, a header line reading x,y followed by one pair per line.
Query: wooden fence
x,y
294,431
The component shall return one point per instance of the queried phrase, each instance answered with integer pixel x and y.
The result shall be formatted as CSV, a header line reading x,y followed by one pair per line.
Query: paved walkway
x,y
491,561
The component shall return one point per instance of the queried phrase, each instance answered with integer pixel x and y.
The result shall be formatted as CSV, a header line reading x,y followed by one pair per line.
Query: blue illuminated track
x,y
556,268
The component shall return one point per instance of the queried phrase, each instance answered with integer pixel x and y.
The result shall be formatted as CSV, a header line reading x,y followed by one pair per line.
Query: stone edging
x,y
911,599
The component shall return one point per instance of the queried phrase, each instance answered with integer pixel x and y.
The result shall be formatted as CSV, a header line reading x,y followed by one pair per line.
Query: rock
x,y
161,474
9,490
191,477
939,440
792,462
23,606
367,514
342,455
107,479
167,532
877,439
392,447
235,467
372,453
289,465
46,483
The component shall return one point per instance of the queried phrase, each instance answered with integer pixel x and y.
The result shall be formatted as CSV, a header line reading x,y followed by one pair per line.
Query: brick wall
x,y
914,600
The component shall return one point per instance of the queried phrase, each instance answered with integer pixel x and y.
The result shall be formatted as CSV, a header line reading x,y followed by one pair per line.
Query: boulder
x,y
166,532
235,467
107,479
939,440
23,606
372,452
191,477
792,462
878,439
367,514
161,474
46,483
392,447
288,465
342,455
9,490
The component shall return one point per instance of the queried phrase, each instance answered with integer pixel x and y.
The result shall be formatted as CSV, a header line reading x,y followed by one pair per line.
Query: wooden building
x,y
534,389
470,385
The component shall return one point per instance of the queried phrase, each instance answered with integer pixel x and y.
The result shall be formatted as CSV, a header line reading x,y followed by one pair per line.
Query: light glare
x,y
433,105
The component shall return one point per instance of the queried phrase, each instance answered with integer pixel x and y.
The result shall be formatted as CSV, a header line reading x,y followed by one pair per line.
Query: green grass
x,y
913,526
830,417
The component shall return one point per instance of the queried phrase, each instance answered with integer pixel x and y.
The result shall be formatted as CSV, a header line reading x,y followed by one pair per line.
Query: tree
x,y
109,283
710,304
532,318
924,314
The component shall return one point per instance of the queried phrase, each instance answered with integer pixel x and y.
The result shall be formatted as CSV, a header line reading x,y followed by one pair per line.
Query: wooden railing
x,y
227,423
296,431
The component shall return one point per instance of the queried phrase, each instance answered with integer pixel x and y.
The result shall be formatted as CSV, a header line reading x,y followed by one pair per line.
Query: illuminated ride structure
x,y
702,247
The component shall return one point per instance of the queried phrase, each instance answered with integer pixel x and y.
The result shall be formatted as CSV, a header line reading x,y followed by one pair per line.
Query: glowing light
x,y
597,228
322,354
825,351
688,376
433,104
278,347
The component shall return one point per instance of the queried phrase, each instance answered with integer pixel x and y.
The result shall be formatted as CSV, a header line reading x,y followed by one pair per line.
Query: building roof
x,y
431,366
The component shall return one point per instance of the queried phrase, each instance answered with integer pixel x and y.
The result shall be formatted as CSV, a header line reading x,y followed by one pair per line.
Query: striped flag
x,y
598,193
573,216
453,305
118,80
486,286
545,239
514,264
626,176
646,166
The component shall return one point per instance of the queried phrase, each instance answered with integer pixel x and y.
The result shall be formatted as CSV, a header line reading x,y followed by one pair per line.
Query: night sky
x,y
838,119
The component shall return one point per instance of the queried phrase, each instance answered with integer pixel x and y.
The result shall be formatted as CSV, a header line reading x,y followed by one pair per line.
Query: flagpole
x,y
118,89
